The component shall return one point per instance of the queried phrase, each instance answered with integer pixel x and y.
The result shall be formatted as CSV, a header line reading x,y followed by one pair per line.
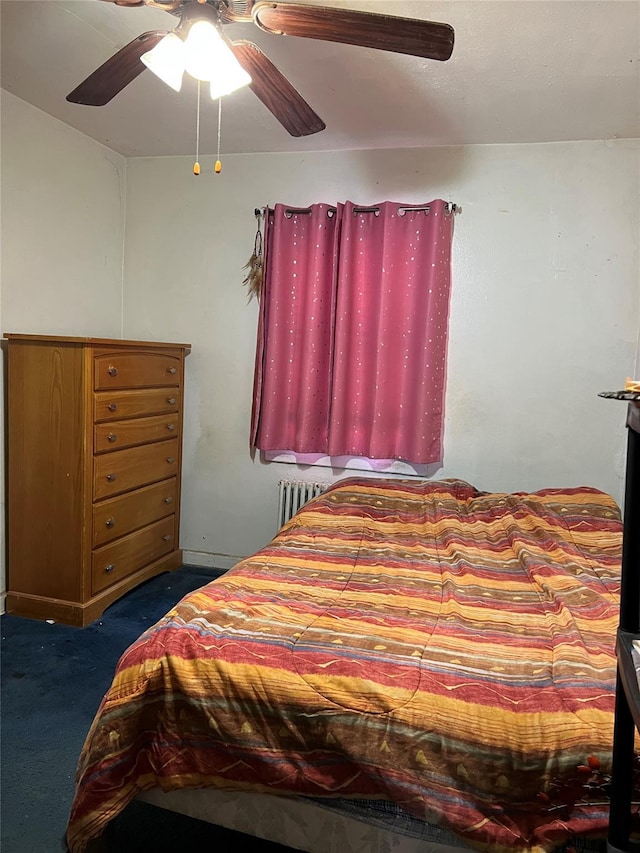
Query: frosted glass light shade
x,y
167,60
230,76
207,57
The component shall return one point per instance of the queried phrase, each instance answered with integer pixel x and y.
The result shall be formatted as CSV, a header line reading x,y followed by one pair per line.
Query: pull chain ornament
x,y
196,165
218,166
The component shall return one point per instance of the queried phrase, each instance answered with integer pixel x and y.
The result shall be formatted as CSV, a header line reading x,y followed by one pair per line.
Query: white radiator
x,y
292,495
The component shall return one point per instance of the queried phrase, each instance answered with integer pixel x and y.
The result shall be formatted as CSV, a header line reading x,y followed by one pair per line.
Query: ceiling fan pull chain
x,y
218,163
196,165
218,166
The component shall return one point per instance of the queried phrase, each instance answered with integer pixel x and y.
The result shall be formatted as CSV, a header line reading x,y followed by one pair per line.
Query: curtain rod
x,y
451,208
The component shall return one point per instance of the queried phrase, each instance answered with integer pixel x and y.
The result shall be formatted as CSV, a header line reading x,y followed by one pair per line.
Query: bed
x,y
417,646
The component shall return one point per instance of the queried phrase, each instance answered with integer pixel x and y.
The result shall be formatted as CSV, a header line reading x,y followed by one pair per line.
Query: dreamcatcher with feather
x,y
254,265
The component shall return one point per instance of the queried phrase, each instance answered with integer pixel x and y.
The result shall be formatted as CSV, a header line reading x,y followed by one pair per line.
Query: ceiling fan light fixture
x,y
207,57
167,60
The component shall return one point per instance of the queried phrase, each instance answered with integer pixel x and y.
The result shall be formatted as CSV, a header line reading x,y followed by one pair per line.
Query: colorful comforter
x,y
421,642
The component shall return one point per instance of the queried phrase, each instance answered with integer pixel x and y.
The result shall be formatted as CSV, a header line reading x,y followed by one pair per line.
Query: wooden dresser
x,y
94,448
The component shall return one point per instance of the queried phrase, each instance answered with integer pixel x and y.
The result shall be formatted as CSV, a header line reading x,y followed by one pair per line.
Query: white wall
x,y
62,227
545,311
62,231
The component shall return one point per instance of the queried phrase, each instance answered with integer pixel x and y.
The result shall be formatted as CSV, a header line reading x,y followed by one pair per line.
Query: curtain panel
x,y
352,331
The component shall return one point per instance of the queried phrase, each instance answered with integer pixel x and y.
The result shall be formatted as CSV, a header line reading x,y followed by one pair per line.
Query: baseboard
x,y
210,561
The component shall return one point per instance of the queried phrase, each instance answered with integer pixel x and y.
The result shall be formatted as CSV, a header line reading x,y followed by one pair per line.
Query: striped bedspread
x,y
420,642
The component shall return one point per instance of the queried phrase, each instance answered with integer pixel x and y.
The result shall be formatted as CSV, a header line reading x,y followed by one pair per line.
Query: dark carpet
x,y
53,678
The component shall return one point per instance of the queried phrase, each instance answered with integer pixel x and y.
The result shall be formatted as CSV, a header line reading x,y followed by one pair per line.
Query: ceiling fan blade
x,y
116,73
276,92
428,39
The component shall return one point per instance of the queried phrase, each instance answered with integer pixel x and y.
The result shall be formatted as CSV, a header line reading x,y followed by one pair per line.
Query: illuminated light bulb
x,y
204,55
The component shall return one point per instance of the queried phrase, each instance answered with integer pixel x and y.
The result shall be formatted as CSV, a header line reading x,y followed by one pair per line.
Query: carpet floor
x,y
53,678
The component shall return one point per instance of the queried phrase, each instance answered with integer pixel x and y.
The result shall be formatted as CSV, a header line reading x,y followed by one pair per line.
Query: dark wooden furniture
x,y
94,435
627,709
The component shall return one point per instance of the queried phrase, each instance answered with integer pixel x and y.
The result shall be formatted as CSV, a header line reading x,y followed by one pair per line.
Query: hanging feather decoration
x,y
254,264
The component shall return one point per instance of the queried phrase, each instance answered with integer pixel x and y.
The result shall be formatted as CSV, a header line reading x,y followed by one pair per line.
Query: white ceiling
x,y
521,71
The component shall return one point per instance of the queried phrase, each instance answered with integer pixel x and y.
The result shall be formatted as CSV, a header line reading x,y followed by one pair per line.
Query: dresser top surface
x,y
65,339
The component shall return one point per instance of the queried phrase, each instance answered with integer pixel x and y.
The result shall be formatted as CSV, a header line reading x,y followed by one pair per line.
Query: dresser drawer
x,y
125,556
116,517
133,404
118,434
123,470
136,370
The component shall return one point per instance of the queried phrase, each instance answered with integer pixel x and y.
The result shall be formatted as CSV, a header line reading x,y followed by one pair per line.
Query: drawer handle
x,y
171,426
113,407
168,499
171,401
112,437
166,537
110,522
109,568
171,370
170,460
111,478
113,371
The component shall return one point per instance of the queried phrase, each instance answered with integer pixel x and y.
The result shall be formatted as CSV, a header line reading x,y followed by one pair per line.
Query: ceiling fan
x,y
427,39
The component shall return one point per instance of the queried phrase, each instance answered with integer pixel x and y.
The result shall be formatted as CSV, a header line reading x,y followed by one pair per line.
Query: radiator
x,y
292,495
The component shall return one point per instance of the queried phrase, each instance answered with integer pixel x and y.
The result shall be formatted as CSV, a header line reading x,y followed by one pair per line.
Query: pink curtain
x,y
352,334
391,333
292,384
